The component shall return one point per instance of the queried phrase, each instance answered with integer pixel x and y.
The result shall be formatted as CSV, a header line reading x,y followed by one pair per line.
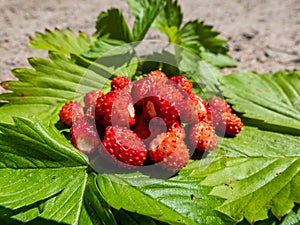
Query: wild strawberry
x,y
177,127
230,123
84,135
165,143
193,109
219,105
90,100
147,130
146,87
222,118
119,82
124,145
158,107
115,108
70,112
157,73
202,136
177,159
184,83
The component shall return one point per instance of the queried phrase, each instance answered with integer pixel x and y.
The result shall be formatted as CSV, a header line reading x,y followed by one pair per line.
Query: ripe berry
x,y
84,135
158,107
184,83
177,159
202,136
232,123
119,82
124,145
90,100
70,112
157,73
219,105
193,109
115,108
147,130
223,120
165,143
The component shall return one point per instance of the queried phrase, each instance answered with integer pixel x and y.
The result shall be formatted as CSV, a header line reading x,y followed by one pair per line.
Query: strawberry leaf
x,y
38,94
219,60
43,177
62,41
145,12
293,218
128,218
169,201
268,161
170,16
112,24
269,101
106,47
203,37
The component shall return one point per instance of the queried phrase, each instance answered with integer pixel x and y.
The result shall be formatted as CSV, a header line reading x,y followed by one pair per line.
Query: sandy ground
x,y
263,35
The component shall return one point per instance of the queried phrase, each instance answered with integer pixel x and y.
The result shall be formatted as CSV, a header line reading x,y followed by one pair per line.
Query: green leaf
x,y
145,12
112,24
107,47
197,36
95,210
39,164
169,16
43,90
293,218
204,75
128,218
219,60
255,172
61,41
271,101
180,200
43,178
128,70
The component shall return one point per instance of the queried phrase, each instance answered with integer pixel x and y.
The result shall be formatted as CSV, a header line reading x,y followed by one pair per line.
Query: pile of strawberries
x,y
153,120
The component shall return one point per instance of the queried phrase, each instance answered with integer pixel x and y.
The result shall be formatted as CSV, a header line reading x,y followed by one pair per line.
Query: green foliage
x,y
36,94
270,101
144,16
251,178
111,24
169,201
65,42
258,158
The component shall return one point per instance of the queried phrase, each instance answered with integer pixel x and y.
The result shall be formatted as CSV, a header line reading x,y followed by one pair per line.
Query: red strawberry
x,y
119,82
176,159
165,143
70,112
222,118
124,145
84,135
158,107
219,105
193,109
146,87
147,130
184,83
231,123
177,127
90,100
157,73
202,136
115,108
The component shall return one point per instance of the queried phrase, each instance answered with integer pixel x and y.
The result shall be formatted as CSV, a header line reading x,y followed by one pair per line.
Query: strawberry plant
x,y
251,177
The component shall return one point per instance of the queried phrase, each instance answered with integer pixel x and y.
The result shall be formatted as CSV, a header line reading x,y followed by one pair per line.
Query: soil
x,y
263,35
